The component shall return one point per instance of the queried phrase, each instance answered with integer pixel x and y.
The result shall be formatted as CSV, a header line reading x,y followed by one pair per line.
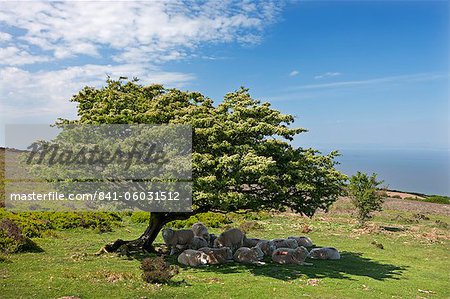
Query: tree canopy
x,y
242,156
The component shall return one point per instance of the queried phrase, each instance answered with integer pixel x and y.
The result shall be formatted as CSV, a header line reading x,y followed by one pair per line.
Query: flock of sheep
x,y
198,247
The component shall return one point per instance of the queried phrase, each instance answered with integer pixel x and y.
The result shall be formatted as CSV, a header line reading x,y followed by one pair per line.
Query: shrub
x,y
438,199
157,270
34,224
12,239
140,217
365,196
209,219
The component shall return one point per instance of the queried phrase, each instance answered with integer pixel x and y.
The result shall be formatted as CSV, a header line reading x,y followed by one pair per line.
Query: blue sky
x,y
357,74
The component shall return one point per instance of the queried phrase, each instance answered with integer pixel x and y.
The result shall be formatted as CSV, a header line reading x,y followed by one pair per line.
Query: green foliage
x,y
157,270
13,240
34,224
140,217
412,259
438,199
431,198
242,158
209,219
365,195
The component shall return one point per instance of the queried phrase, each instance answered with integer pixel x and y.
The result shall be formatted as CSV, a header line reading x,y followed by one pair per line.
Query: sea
x,y
420,171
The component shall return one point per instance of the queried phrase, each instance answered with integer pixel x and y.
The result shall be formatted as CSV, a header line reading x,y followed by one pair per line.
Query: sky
x,y
356,74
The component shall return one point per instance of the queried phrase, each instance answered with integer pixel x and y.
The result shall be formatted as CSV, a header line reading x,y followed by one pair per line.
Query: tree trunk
x,y
156,223
145,241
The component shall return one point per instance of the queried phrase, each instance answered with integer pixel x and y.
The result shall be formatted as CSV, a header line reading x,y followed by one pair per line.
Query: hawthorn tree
x,y
365,196
242,158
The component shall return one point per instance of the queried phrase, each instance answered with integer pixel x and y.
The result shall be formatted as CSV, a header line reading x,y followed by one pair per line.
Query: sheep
x,y
285,243
295,256
303,241
197,243
248,255
232,238
177,239
200,230
266,246
250,242
217,255
324,253
193,258
212,238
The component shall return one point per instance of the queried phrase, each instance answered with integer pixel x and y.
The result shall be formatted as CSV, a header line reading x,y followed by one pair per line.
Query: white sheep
x,y
212,238
295,256
197,243
250,242
248,255
218,255
266,246
325,253
177,239
303,241
193,258
200,230
285,243
232,238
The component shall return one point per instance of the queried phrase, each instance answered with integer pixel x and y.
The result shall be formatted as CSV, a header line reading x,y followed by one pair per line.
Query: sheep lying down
x,y
247,255
295,256
251,242
303,241
218,255
193,258
324,253
285,243
197,243
205,256
266,246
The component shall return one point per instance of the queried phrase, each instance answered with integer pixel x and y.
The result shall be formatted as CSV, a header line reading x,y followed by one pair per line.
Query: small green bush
x,y
209,219
364,193
432,198
438,199
34,224
13,240
140,217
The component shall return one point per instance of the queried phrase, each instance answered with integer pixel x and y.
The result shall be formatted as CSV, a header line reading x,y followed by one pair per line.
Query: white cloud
x,y
48,92
4,37
136,31
327,74
311,91
293,73
15,56
390,79
119,38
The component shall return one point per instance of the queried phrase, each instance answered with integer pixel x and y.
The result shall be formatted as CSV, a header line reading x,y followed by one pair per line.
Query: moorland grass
x,y
414,263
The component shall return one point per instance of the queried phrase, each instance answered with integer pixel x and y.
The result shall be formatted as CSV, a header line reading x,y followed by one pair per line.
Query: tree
x,y
364,193
242,158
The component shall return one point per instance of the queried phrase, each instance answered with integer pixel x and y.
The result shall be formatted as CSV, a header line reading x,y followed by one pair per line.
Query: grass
x,y
413,264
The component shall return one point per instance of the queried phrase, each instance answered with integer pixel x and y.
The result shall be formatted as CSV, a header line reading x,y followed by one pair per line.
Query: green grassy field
x,y
413,264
